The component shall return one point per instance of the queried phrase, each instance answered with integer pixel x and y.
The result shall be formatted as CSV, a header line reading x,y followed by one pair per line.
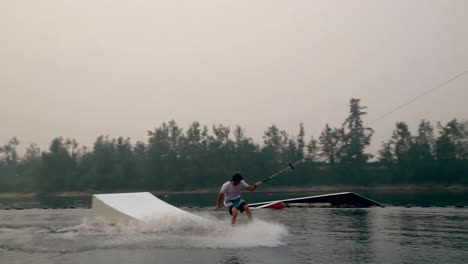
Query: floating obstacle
x,y
142,206
343,199
272,205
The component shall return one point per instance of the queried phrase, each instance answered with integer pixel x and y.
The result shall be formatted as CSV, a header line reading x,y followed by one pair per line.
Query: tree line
x,y
202,157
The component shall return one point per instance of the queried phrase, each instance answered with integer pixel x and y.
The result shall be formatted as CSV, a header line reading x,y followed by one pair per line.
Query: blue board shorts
x,y
237,203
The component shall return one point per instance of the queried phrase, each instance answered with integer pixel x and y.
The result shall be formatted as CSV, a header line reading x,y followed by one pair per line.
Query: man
x,y
231,193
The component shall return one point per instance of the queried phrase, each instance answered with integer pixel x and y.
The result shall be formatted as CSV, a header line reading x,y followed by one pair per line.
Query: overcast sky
x,y
83,68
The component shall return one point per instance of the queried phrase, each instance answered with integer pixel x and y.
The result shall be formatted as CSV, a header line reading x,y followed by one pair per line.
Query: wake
x,y
170,231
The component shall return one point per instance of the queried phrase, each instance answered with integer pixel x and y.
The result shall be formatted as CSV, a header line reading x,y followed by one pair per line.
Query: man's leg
x,y
248,212
235,212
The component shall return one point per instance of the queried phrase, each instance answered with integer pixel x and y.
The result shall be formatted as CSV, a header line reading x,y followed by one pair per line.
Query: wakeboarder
x,y
230,191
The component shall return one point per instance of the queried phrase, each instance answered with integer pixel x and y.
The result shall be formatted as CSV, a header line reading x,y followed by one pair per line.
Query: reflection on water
x,y
233,260
379,235
353,225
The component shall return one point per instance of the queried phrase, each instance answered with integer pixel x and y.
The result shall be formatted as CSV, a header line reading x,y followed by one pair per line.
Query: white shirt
x,y
232,192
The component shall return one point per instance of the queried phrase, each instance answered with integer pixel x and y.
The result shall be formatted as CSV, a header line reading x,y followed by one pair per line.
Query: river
x,y
397,233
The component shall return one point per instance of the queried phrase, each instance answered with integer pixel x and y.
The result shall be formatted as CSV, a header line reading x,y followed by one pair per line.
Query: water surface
x,y
292,235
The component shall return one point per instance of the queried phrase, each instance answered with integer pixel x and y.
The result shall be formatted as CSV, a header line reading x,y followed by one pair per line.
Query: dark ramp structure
x,y
341,200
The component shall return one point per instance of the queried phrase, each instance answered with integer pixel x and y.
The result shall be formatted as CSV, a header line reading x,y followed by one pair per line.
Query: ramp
x,y
272,205
343,199
142,206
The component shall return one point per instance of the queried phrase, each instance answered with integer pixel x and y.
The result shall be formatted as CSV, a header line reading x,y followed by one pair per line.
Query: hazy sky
x,y
83,68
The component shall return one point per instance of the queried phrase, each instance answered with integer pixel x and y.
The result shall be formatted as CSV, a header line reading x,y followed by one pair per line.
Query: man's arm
x,y
252,187
219,200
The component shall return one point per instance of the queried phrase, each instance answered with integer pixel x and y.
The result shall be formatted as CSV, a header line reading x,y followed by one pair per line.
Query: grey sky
x,y
83,68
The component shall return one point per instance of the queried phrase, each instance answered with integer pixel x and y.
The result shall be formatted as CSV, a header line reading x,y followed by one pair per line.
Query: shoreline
x,y
319,188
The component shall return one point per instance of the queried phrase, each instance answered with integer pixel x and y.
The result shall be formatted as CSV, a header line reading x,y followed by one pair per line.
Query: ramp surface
x,y
343,199
142,206
272,205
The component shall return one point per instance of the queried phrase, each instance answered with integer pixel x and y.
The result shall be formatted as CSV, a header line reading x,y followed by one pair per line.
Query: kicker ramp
x,y
343,199
142,206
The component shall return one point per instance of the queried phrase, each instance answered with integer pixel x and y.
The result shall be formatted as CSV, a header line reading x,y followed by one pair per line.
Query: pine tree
x,y
330,144
357,137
